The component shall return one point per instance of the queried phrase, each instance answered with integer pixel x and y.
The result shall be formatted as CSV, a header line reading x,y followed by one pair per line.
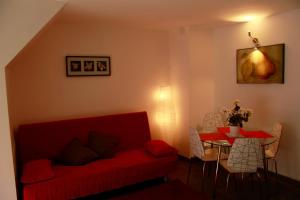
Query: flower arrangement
x,y
237,115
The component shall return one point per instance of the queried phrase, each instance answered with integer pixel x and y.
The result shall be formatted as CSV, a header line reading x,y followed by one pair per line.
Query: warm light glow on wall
x,y
164,93
246,17
164,118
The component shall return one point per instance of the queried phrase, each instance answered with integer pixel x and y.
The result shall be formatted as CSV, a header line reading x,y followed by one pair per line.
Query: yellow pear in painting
x,y
263,66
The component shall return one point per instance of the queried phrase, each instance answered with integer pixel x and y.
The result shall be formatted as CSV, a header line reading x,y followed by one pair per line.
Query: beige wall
x,y
40,91
7,181
201,74
270,102
142,60
19,22
179,72
192,79
199,66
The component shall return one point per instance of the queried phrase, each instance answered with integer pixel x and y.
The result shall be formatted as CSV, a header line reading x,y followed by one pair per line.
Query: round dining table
x,y
222,139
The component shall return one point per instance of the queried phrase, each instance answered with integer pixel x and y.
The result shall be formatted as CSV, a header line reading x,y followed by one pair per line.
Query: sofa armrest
x,y
159,148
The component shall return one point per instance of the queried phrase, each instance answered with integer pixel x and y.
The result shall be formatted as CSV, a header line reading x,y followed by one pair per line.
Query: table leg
x,y
266,181
216,175
217,168
264,161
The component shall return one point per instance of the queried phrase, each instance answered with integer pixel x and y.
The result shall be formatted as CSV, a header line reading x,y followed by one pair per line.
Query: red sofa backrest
x,y
45,140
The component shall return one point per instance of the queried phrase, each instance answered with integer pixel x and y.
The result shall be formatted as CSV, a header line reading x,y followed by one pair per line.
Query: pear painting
x,y
262,65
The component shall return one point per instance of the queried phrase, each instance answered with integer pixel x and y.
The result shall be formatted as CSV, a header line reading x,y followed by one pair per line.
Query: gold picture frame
x,y
264,64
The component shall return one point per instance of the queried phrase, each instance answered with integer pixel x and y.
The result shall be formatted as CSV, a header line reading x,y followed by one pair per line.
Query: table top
x,y
222,138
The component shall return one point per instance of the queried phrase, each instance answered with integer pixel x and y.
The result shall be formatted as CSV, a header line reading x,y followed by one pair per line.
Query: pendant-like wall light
x,y
254,40
165,114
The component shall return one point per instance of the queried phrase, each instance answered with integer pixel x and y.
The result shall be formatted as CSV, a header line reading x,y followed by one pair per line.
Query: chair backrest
x,y
245,155
276,132
211,121
196,146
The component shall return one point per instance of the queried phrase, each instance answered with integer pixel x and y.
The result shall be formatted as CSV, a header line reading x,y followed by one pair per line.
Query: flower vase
x,y
234,131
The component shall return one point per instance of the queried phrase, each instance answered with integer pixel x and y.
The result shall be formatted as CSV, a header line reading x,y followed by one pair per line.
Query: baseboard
x,y
285,179
183,158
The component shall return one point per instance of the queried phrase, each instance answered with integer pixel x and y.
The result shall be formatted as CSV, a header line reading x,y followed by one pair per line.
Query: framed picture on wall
x,y
264,64
88,66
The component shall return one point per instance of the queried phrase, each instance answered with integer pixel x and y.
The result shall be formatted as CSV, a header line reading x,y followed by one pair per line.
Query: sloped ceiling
x,y
20,21
167,14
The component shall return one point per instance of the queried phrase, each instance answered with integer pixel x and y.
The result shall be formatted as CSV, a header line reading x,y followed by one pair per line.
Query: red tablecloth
x,y
222,131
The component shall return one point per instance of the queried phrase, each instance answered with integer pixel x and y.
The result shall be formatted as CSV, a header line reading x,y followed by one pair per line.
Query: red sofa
x,y
131,164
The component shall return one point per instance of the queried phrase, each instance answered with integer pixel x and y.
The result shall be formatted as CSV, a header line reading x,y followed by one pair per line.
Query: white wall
x,y
19,22
270,102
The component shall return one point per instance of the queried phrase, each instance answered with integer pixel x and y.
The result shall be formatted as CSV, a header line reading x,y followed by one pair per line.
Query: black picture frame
x,y
88,66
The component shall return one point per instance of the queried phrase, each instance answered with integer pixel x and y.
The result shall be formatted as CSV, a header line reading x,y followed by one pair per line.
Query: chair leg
x,y
258,174
189,171
217,167
260,185
203,168
275,162
227,181
267,165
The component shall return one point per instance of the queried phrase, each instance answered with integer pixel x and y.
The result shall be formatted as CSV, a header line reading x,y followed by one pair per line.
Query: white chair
x,y
211,121
272,149
245,157
197,150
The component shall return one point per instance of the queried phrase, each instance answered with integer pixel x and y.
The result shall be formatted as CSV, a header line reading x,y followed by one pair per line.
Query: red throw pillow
x,y
36,171
159,148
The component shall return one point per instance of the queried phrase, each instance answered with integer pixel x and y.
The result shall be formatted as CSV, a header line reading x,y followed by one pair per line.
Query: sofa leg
x,y
166,179
189,171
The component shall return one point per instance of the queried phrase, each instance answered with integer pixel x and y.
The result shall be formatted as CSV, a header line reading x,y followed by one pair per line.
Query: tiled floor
x,y
248,188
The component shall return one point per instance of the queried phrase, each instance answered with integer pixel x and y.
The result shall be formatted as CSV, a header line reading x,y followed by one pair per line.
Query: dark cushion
x,y
104,145
159,148
36,171
75,153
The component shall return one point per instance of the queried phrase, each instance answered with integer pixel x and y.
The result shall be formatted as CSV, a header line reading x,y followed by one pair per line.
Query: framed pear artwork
x,y
264,64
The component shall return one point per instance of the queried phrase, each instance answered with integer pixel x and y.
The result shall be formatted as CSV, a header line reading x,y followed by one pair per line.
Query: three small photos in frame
x,y
88,66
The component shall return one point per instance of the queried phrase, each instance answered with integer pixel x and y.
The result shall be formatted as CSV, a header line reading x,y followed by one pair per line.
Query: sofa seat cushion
x,y
127,167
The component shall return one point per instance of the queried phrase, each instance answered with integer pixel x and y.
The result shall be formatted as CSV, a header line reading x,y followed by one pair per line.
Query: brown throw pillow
x,y
75,153
104,145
